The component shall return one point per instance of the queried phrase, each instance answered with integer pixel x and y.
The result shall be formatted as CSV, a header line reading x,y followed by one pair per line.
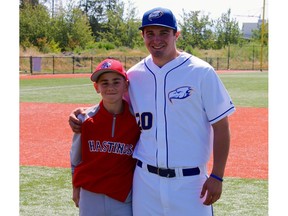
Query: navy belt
x,y
169,173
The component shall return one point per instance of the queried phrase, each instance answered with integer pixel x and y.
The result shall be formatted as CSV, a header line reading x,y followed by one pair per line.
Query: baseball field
x,y
45,139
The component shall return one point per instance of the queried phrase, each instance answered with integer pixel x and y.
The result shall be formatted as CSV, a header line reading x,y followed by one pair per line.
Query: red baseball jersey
x,y
107,145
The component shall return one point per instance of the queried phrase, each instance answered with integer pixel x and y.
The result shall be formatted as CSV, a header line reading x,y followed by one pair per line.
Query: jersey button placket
x,y
160,101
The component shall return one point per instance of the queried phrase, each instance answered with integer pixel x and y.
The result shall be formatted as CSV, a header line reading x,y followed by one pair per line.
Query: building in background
x,y
248,28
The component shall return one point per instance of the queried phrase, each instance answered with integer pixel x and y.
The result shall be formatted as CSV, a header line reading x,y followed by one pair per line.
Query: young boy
x,y
101,156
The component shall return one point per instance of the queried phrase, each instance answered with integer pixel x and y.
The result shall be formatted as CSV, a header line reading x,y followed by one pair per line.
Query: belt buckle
x,y
158,171
162,174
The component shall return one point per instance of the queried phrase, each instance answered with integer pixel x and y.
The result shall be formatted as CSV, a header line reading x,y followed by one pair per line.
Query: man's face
x,y
160,41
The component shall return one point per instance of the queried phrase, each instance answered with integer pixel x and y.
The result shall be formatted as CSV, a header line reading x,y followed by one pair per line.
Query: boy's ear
x,y
96,86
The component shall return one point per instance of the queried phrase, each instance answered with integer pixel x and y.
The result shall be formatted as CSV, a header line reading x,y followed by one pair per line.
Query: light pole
x,y
52,8
262,36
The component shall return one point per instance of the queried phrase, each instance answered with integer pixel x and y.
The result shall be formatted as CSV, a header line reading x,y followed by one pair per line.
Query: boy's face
x,y
111,86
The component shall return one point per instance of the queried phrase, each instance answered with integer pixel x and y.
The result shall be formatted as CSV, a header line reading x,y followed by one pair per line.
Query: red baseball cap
x,y
108,65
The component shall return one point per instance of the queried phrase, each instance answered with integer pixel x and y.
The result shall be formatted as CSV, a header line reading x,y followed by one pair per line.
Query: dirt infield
x,y
45,138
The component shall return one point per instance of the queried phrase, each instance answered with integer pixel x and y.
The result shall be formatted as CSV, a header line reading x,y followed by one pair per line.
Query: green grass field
x,y
47,191
58,90
246,89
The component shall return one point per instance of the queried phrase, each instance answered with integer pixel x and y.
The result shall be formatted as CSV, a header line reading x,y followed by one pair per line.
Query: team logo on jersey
x,y
180,93
155,15
110,147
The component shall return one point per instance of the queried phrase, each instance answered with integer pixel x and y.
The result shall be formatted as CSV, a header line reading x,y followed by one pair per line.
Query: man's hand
x,y
76,196
74,122
213,189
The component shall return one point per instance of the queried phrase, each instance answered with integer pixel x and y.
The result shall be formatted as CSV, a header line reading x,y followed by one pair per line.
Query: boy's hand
x,y
74,122
76,196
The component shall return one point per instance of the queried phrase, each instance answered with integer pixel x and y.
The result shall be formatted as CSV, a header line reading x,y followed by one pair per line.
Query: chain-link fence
x,y
71,64
238,59
241,58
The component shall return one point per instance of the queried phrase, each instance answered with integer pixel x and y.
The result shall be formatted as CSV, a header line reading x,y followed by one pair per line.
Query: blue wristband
x,y
216,177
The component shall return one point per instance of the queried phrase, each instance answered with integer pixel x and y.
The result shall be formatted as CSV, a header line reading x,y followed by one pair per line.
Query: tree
x,y
26,2
196,30
120,29
68,29
227,30
71,29
96,11
257,34
34,24
134,38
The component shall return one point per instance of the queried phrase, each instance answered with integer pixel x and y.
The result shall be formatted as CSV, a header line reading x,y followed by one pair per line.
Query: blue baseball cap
x,y
159,17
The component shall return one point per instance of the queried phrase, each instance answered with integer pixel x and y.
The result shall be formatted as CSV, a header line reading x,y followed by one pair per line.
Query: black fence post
x,y
53,64
31,65
253,55
91,64
228,61
73,61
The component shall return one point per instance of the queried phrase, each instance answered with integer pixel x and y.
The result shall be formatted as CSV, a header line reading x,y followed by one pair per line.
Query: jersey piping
x,y
165,101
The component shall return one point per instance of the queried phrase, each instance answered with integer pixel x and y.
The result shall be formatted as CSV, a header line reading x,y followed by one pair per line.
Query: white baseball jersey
x,y
175,106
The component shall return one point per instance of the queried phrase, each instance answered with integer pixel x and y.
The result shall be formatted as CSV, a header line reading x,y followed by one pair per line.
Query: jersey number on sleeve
x,y
144,120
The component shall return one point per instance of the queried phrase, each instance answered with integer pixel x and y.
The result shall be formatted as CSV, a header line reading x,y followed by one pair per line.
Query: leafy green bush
x,y
106,45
